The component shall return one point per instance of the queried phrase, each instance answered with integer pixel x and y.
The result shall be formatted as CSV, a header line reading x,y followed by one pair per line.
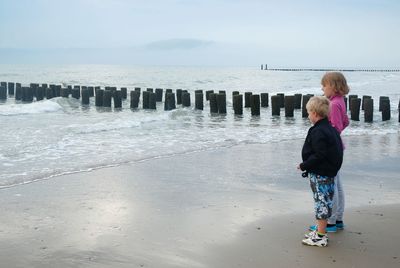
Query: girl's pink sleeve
x,y
338,117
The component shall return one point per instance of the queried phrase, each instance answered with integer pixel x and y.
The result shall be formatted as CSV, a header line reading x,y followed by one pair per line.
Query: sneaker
x,y
330,229
340,226
310,234
315,240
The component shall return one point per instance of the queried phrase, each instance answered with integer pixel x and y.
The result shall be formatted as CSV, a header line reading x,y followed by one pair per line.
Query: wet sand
x,y
244,206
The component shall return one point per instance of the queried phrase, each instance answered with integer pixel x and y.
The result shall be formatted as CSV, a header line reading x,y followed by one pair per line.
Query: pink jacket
x,y
337,115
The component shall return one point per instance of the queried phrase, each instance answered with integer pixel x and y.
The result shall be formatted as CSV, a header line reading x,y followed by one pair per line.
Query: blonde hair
x,y
319,105
337,81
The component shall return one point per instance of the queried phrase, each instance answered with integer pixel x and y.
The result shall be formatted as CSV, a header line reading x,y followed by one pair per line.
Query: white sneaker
x,y
310,234
313,239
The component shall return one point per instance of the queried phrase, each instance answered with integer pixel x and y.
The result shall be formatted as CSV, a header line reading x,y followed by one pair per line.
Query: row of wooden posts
x,y
217,101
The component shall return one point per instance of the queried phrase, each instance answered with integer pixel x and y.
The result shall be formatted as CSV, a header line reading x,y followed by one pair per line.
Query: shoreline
x,y
216,208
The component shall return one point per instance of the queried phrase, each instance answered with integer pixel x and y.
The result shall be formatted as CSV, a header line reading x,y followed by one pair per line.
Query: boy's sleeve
x,y
319,145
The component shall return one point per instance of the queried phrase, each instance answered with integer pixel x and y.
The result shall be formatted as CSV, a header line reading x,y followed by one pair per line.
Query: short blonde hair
x,y
337,81
319,105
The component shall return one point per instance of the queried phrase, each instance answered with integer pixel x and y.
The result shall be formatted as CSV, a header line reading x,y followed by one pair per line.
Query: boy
x,y
322,156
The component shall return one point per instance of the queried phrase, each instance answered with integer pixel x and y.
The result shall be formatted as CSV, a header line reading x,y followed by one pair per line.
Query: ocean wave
x,y
46,106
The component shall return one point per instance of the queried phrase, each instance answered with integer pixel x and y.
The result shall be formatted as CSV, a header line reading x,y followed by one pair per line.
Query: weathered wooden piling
x,y
152,101
18,92
91,91
64,92
247,102
238,104
276,105
107,94
221,103
368,104
385,109
178,96
297,101
85,96
304,112
117,97
213,103
49,93
135,96
381,100
27,94
355,104
40,93
159,93
199,100
264,99
76,93
99,97
171,102
281,99
124,93
149,89
3,84
289,106
255,104
364,97
185,98
11,87
350,98
208,92
3,93
145,99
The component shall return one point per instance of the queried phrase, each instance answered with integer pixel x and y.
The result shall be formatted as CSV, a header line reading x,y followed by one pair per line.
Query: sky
x,y
309,33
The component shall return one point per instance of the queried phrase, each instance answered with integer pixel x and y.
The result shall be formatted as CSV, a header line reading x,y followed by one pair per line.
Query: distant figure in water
x,y
322,156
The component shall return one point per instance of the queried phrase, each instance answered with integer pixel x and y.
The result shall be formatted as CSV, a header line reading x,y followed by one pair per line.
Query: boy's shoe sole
x,y
331,229
314,240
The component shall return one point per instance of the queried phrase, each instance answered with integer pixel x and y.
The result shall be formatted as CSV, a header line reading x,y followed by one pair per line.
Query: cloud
x,y
178,44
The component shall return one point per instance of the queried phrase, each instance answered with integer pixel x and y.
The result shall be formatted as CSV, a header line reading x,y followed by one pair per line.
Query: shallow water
x,y
51,137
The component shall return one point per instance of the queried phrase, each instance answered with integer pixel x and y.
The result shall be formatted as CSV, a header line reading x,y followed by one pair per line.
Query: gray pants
x,y
338,202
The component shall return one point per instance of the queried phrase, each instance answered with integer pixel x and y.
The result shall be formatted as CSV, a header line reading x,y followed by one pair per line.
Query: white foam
x,y
46,106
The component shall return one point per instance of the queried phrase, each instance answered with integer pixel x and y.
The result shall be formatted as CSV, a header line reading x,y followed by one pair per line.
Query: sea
x,y
48,138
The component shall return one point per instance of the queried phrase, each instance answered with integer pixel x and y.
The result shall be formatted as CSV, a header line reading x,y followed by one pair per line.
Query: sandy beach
x,y
243,206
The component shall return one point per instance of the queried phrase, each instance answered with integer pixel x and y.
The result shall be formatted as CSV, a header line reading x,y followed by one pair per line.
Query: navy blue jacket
x,y
322,150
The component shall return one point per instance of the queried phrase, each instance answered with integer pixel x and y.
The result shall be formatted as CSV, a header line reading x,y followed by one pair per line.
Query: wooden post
x,y
355,108
264,99
85,96
169,101
159,93
18,92
368,110
385,109
152,101
350,98
11,88
124,93
27,94
76,93
289,106
281,100
381,100
221,103
199,103
238,104
208,92
40,93
185,98
304,112
107,94
255,104
247,102
49,93
179,96
145,99
363,100
135,96
64,92
99,97
3,93
297,101
213,103
275,105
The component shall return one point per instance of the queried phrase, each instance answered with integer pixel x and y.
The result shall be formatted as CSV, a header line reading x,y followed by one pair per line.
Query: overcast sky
x,y
311,33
